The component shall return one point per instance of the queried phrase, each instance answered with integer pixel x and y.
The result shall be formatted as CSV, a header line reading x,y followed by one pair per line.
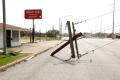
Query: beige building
x,y
12,35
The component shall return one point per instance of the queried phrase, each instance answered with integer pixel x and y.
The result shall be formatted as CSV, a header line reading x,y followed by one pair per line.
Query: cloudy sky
x,y
98,14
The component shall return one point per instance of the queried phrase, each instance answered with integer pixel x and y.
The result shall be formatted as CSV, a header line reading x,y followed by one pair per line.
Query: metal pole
x,y
113,20
4,27
60,24
30,35
60,27
33,32
40,34
101,26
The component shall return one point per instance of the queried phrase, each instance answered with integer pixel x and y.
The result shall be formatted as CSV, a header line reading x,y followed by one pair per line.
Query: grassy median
x,y
10,57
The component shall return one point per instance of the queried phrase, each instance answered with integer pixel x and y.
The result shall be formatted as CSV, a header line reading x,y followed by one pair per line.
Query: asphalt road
x,y
103,64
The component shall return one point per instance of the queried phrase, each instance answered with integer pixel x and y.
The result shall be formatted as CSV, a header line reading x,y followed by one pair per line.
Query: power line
x,y
96,16
108,28
111,28
99,47
93,17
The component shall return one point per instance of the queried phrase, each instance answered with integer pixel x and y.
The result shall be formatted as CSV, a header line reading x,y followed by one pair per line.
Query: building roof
x,y
12,27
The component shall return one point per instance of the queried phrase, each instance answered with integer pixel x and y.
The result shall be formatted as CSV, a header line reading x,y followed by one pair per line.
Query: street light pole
x,y
101,25
60,28
60,24
113,19
4,27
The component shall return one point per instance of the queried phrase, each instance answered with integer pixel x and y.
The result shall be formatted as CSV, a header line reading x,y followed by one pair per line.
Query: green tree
x,y
52,33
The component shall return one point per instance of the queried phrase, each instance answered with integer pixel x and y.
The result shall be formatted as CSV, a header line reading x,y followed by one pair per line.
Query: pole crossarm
x,y
65,44
80,22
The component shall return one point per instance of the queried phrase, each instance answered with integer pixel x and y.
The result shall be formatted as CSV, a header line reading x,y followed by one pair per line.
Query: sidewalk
x,y
34,48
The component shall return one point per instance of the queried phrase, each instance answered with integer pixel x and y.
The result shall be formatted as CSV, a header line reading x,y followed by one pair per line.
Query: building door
x,y
8,38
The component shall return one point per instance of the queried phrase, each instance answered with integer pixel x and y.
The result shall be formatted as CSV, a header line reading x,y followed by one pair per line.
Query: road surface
x,y
103,64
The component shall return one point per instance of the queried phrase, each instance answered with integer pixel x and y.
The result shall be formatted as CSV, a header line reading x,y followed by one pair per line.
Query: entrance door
x,y
8,38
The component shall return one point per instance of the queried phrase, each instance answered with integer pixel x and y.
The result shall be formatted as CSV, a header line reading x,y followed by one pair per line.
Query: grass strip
x,y
8,58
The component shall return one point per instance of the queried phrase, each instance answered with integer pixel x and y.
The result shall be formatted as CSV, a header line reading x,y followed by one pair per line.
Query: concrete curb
x,y
3,68
34,55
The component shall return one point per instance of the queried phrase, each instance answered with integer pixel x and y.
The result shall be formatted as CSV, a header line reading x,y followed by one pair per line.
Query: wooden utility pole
x,y
74,31
71,40
66,43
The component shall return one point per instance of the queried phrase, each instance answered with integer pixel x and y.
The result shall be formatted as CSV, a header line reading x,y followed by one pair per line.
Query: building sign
x,y
33,14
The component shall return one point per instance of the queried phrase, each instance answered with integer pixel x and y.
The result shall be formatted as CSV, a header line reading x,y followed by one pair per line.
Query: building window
x,y
15,36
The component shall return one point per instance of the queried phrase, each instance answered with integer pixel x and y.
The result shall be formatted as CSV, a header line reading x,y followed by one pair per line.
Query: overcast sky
x,y
75,10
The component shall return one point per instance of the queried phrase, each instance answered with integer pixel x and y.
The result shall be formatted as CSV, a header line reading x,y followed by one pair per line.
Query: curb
x,y
34,55
3,68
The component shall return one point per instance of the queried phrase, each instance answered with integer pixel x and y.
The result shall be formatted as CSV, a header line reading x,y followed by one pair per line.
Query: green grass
x,y
8,58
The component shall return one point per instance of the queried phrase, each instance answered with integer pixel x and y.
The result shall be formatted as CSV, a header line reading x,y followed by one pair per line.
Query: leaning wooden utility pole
x,y
74,31
66,43
71,40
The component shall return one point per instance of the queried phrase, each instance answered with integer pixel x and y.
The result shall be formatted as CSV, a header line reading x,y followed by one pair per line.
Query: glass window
x,y
15,36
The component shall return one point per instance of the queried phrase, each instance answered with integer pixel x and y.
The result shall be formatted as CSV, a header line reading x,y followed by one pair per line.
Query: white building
x,y
12,35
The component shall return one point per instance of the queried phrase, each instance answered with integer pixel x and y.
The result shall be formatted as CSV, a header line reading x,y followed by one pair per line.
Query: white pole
x,y
113,20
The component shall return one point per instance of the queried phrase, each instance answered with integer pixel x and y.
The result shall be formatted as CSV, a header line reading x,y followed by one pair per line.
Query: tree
x,y
52,33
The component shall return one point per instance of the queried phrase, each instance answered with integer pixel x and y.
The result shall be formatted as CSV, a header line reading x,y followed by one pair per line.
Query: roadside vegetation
x,y
101,35
49,35
11,57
